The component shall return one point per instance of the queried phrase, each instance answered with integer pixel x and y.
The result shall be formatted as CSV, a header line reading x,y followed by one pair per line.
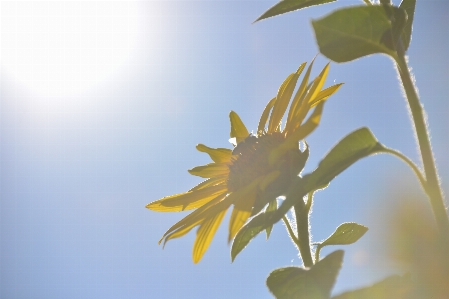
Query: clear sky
x,y
102,104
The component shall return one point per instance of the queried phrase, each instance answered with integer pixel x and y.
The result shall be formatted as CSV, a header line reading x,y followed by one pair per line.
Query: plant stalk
x,y
433,188
302,226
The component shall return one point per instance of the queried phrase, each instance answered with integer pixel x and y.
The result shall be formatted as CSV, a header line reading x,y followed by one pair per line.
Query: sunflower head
x,y
259,168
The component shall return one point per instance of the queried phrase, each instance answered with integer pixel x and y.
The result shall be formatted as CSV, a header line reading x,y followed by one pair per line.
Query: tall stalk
x,y
302,225
432,187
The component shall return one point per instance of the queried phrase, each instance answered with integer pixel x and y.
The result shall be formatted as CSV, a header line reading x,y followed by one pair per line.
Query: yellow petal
x,y
300,94
193,218
180,232
211,170
205,234
317,85
299,115
238,129
283,98
324,94
210,182
293,139
187,201
218,155
240,213
265,114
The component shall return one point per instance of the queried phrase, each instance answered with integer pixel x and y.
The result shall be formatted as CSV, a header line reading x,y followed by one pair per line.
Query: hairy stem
x,y
302,225
433,189
409,162
290,231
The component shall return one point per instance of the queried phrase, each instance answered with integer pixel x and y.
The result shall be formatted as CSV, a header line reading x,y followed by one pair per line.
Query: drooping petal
x,y
238,129
210,182
325,94
241,212
283,98
218,155
300,95
195,217
265,114
205,234
180,232
211,170
187,201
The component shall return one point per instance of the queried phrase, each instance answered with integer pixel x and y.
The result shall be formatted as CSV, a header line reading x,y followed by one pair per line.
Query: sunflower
x,y
256,171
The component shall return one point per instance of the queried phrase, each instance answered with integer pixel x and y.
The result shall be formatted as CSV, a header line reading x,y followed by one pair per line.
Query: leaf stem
x,y
317,253
290,231
409,162
433,189
302,226
309,201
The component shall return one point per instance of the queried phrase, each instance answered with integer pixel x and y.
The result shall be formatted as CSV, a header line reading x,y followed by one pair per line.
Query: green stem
x,y
290,231
302,225
433,189
409,162
317,254
309,201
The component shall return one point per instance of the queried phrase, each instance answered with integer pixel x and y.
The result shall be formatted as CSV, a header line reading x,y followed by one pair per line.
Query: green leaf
x,y
345,234
394,286
354,32
359,144
290,5
298,283
409,7
272,206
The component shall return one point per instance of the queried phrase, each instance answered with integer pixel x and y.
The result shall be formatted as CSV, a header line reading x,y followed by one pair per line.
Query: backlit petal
x,y
218,155
283,98
265,114
300,95
205,234
240,213
324,94
187,201
238,129
317,85
211,170
195,217
210,182
181,232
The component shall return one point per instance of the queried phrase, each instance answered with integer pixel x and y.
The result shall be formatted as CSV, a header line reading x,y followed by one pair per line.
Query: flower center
x,y
250,159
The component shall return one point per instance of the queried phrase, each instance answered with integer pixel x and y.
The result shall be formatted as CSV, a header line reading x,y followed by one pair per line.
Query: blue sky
x,y
102,104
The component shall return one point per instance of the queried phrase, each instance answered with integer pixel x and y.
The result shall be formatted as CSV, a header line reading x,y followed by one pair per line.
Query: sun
x,y
66,49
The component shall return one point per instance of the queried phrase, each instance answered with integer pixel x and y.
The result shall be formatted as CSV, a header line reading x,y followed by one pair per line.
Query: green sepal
x,y
409,7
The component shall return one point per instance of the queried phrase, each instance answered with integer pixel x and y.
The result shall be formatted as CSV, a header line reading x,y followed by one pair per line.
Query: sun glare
x,y
65,49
